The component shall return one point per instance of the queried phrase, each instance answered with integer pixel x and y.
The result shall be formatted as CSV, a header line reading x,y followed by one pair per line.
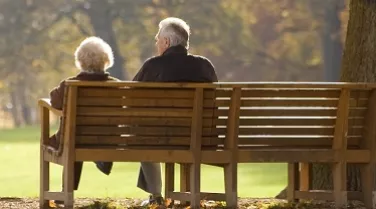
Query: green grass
x,y
19,173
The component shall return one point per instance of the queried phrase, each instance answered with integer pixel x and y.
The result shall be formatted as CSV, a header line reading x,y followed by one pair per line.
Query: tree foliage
x,y
259,40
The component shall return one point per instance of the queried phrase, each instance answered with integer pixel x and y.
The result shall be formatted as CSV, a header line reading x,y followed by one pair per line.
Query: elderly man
x,y
173,64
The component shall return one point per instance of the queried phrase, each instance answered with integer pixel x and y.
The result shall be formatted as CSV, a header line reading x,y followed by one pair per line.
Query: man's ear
x,y
167,42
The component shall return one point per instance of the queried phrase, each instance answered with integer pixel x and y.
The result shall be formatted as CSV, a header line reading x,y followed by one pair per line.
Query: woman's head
x,y
94,55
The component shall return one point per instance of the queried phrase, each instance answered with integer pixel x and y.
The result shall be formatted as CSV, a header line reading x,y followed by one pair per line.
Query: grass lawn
x,y
19,173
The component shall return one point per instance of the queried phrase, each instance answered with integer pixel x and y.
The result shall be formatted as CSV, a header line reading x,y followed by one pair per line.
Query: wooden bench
x,y
219,124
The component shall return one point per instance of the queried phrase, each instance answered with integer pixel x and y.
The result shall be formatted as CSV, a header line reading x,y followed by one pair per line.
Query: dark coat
x,y
57,96
176,65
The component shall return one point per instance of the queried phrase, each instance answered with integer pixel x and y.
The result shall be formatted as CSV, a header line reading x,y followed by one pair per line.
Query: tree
x,y
328,13
358,65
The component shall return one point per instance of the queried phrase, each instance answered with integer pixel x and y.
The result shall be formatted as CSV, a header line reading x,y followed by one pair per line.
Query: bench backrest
x,y
169,115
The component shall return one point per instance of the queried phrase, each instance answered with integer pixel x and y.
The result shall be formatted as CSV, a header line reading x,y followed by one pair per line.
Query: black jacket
x,y
176,65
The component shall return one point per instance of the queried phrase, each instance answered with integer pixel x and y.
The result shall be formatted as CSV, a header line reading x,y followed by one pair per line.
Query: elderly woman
x,y
173,64
92,57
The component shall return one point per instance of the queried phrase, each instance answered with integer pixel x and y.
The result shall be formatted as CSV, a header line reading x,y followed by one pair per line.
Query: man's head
x,y
94,55
172,32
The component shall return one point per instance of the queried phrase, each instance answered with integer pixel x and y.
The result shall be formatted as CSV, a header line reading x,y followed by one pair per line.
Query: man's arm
x,y
211,70
146,72
57,96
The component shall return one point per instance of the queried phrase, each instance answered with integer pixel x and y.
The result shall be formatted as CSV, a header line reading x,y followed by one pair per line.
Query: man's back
x,y
176,65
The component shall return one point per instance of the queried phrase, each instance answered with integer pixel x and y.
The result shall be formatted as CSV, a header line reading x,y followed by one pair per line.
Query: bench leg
x,y
339,184
304,176
169,180
231,184
184,180
195,185
44,181
292,182
68,185
368,186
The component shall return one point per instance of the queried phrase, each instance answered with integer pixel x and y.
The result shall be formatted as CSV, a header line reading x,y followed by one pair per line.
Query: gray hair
x,y
94,55
176,30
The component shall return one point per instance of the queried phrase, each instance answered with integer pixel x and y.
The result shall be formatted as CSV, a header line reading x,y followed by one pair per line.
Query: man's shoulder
x,y
200,58
153,60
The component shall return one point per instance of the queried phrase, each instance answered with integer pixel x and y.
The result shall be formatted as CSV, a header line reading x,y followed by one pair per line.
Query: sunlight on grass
x,y
19,151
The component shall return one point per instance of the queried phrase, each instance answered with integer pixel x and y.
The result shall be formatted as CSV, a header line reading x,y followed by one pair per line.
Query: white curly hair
x,y
94,55
176,30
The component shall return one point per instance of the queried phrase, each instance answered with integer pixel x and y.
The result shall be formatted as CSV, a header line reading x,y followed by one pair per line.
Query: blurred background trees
x,y
258,40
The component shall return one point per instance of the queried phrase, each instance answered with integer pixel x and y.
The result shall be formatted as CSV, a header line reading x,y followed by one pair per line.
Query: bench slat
x,y
135,92
143,112
359,112
275,141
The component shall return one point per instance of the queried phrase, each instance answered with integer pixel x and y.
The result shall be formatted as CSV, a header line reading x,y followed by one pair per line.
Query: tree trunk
x,y
101,19
25,110
331,40
17,121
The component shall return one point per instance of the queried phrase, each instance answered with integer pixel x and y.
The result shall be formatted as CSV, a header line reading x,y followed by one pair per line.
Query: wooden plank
x,y
368,170
53,158
291,130
292,141
142,121
275,141
185,131
210,122
284,112
133,140
46,103
270,121
144,140
280,121
292,181
340,145
54,195
356,156
195,148
231,144
69,146
111,155
290,156
286,131
275,102
44,175
301,93
304,176
217,93
134,102
304,85
217,102
185,181
139,131
169,179
135,92
141,155
141,112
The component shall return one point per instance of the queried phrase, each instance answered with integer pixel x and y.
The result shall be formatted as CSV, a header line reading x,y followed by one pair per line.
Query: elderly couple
x,y
173,64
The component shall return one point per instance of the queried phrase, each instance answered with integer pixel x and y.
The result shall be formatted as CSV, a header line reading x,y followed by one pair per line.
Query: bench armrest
x,y
47,104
